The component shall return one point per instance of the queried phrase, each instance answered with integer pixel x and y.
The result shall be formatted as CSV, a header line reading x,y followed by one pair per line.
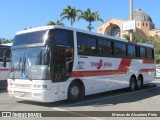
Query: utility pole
x,y
131,18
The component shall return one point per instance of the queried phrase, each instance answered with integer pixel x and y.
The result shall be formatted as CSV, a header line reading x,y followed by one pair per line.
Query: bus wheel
x,y
74,92
139,84
132,85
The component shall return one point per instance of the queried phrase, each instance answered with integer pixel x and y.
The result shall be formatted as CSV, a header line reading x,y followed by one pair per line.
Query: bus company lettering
x,y
101,64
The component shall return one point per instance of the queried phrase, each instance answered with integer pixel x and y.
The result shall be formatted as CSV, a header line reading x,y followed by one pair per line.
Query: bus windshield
x,y
29,63
30,38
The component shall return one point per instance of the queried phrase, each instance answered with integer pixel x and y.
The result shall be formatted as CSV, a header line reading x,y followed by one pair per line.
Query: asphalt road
x,y
146,99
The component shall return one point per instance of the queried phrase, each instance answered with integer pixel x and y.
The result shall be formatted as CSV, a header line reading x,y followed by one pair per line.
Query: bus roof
x,y
7,44
82,31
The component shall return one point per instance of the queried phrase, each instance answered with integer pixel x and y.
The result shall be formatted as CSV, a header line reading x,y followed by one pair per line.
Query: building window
x,y
143,24
115,32
146,24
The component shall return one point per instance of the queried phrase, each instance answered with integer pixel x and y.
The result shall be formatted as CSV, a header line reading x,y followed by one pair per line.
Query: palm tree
x,y
70,13
90,17
58,22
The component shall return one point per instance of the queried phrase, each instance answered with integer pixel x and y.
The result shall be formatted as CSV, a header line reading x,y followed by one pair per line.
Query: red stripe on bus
x,y
104,72
4,69
96,73
125,64
123,69
147,70
148,61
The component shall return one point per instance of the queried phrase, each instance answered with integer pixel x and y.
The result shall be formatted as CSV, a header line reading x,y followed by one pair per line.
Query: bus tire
x,y
139,83
74,92
132,85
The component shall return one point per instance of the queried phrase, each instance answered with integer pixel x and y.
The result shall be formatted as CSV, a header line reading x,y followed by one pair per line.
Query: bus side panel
x,y
101,74
4,72
148,70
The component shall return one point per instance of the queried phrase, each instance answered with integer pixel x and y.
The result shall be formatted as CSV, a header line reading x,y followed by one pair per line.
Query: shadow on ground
x,y
104,99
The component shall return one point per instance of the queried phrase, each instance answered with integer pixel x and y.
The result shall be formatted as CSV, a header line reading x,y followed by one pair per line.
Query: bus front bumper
x,y
32,95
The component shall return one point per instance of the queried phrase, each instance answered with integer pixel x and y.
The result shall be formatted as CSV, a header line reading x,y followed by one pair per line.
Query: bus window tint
x,y
86,44
64,38
120,49
105,47
5,49
149,53
142,52
30,38
131,51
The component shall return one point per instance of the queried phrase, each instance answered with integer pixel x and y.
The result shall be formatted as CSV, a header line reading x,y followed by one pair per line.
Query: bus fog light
x,y
44,86
10,84
40,86
37,94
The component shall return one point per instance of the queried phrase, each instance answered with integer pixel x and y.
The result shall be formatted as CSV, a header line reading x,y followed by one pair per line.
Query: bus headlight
x,y
11,85
40,86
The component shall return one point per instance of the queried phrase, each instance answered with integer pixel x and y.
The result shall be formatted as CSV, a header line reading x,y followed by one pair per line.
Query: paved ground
x,y
146,99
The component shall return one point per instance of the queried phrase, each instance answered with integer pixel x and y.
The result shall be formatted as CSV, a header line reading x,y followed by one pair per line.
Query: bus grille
x,y
22,85
23,94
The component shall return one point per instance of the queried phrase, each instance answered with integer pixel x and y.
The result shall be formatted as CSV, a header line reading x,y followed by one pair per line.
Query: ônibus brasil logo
x,y
101,64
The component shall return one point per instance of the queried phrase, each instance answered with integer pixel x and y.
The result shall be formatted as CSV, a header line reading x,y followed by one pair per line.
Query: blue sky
x,y
16,15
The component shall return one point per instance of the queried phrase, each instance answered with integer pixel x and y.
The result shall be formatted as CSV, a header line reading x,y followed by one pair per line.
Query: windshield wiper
x,y
26,69
19,63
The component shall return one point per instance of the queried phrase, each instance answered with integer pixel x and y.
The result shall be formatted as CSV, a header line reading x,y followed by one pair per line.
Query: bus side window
x,y
120,49
6,57
131,51
105,47
87,45
153,54
149,53
137,51
143,52
62,51
1,62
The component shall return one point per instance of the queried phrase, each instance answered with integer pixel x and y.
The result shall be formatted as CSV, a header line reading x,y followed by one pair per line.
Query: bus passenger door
x,y
62,64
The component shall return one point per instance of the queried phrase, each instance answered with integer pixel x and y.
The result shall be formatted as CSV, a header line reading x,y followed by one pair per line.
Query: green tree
x,y
4,41
58,22
70,13
136,38
90,17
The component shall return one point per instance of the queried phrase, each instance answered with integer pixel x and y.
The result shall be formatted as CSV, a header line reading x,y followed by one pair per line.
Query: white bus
x,y
4,71
54,63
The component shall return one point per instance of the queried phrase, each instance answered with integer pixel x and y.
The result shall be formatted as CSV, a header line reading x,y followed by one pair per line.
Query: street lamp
x,y
131,18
